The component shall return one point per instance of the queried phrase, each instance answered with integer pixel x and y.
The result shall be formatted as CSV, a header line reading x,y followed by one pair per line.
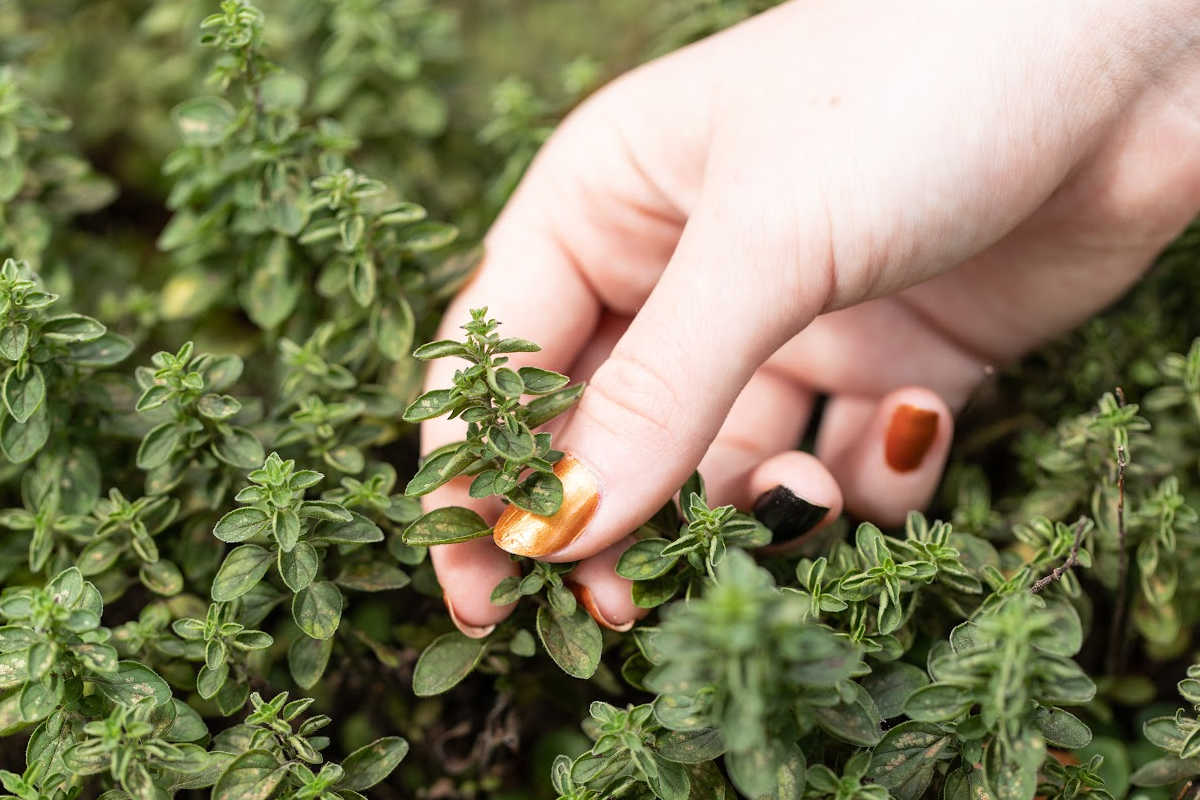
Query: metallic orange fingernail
x,y
909,436
526,534
470,631
584,596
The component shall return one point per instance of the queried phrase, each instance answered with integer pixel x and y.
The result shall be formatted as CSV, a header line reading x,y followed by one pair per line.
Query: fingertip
x,y
887,459
605,594
795,496
468,572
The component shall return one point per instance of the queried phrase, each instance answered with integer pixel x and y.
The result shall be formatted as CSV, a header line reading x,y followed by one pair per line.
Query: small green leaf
x,y
318,609
1064,729
252,776
244,567
512,445
203,121
24,393
239,448
131,683
446,526
644,560
541,381
574,641
541,493
158,444
307,659
445,662
543,409
905,759
442,348
429,405
72,328
241,524
22,441
369,765
299,567
439,469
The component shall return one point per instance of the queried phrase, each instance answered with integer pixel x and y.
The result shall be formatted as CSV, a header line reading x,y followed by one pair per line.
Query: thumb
x,y
652,409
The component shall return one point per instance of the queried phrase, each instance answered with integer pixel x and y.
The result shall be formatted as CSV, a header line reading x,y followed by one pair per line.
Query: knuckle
x,y
628,396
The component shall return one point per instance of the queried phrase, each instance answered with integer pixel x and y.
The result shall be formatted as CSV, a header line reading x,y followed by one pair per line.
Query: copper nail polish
x,y
470,631
909,436
531,535
584,596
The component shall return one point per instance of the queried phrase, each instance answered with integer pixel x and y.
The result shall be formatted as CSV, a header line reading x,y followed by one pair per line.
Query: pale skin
x,y
875,201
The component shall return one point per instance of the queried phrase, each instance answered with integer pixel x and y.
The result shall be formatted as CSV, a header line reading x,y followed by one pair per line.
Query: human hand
x,y
835,197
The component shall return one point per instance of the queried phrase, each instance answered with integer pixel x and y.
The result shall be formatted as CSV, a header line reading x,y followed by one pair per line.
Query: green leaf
x,y
239,448
774,772
543,409
445,662
372,576
425,236
1166,771
541,381
1012,771
307,659
446,526
369,765
241,524
242,569
512,445
22,441
318,609
541,493
72,328
690,747
856,721
394,330
14,339
252,776
938,702
890,685
158,444
161,577
131,683
429,405
1063,729
203,121
574,641
442,348
439,469
109,349
644,560
23,394
905,759
357,530
299,567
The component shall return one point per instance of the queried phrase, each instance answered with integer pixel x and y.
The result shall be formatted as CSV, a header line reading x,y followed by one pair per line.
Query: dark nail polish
x,y
786,514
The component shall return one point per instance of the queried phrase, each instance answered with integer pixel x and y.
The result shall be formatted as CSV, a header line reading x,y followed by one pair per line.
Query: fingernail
x,y
526,534
584,596
909,436
470,631
788,515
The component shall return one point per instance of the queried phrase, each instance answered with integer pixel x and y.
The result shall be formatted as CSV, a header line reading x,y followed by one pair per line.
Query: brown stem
x,y
1115,635
1072,559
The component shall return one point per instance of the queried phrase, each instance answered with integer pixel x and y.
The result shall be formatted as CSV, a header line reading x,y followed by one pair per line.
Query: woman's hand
x,y
841,197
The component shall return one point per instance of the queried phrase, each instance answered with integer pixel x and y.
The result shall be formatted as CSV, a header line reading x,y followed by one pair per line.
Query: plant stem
x,y
1072,559
1115,638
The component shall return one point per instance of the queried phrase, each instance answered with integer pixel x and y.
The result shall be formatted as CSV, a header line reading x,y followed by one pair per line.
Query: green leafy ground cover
x,y
226,228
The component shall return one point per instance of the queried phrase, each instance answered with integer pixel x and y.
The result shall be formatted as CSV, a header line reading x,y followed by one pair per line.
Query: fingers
x,y
795,496
604,593
886,455
655,405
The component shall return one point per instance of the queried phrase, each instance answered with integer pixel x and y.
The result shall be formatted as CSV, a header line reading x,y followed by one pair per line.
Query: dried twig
x,y
1072,559
1115,635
